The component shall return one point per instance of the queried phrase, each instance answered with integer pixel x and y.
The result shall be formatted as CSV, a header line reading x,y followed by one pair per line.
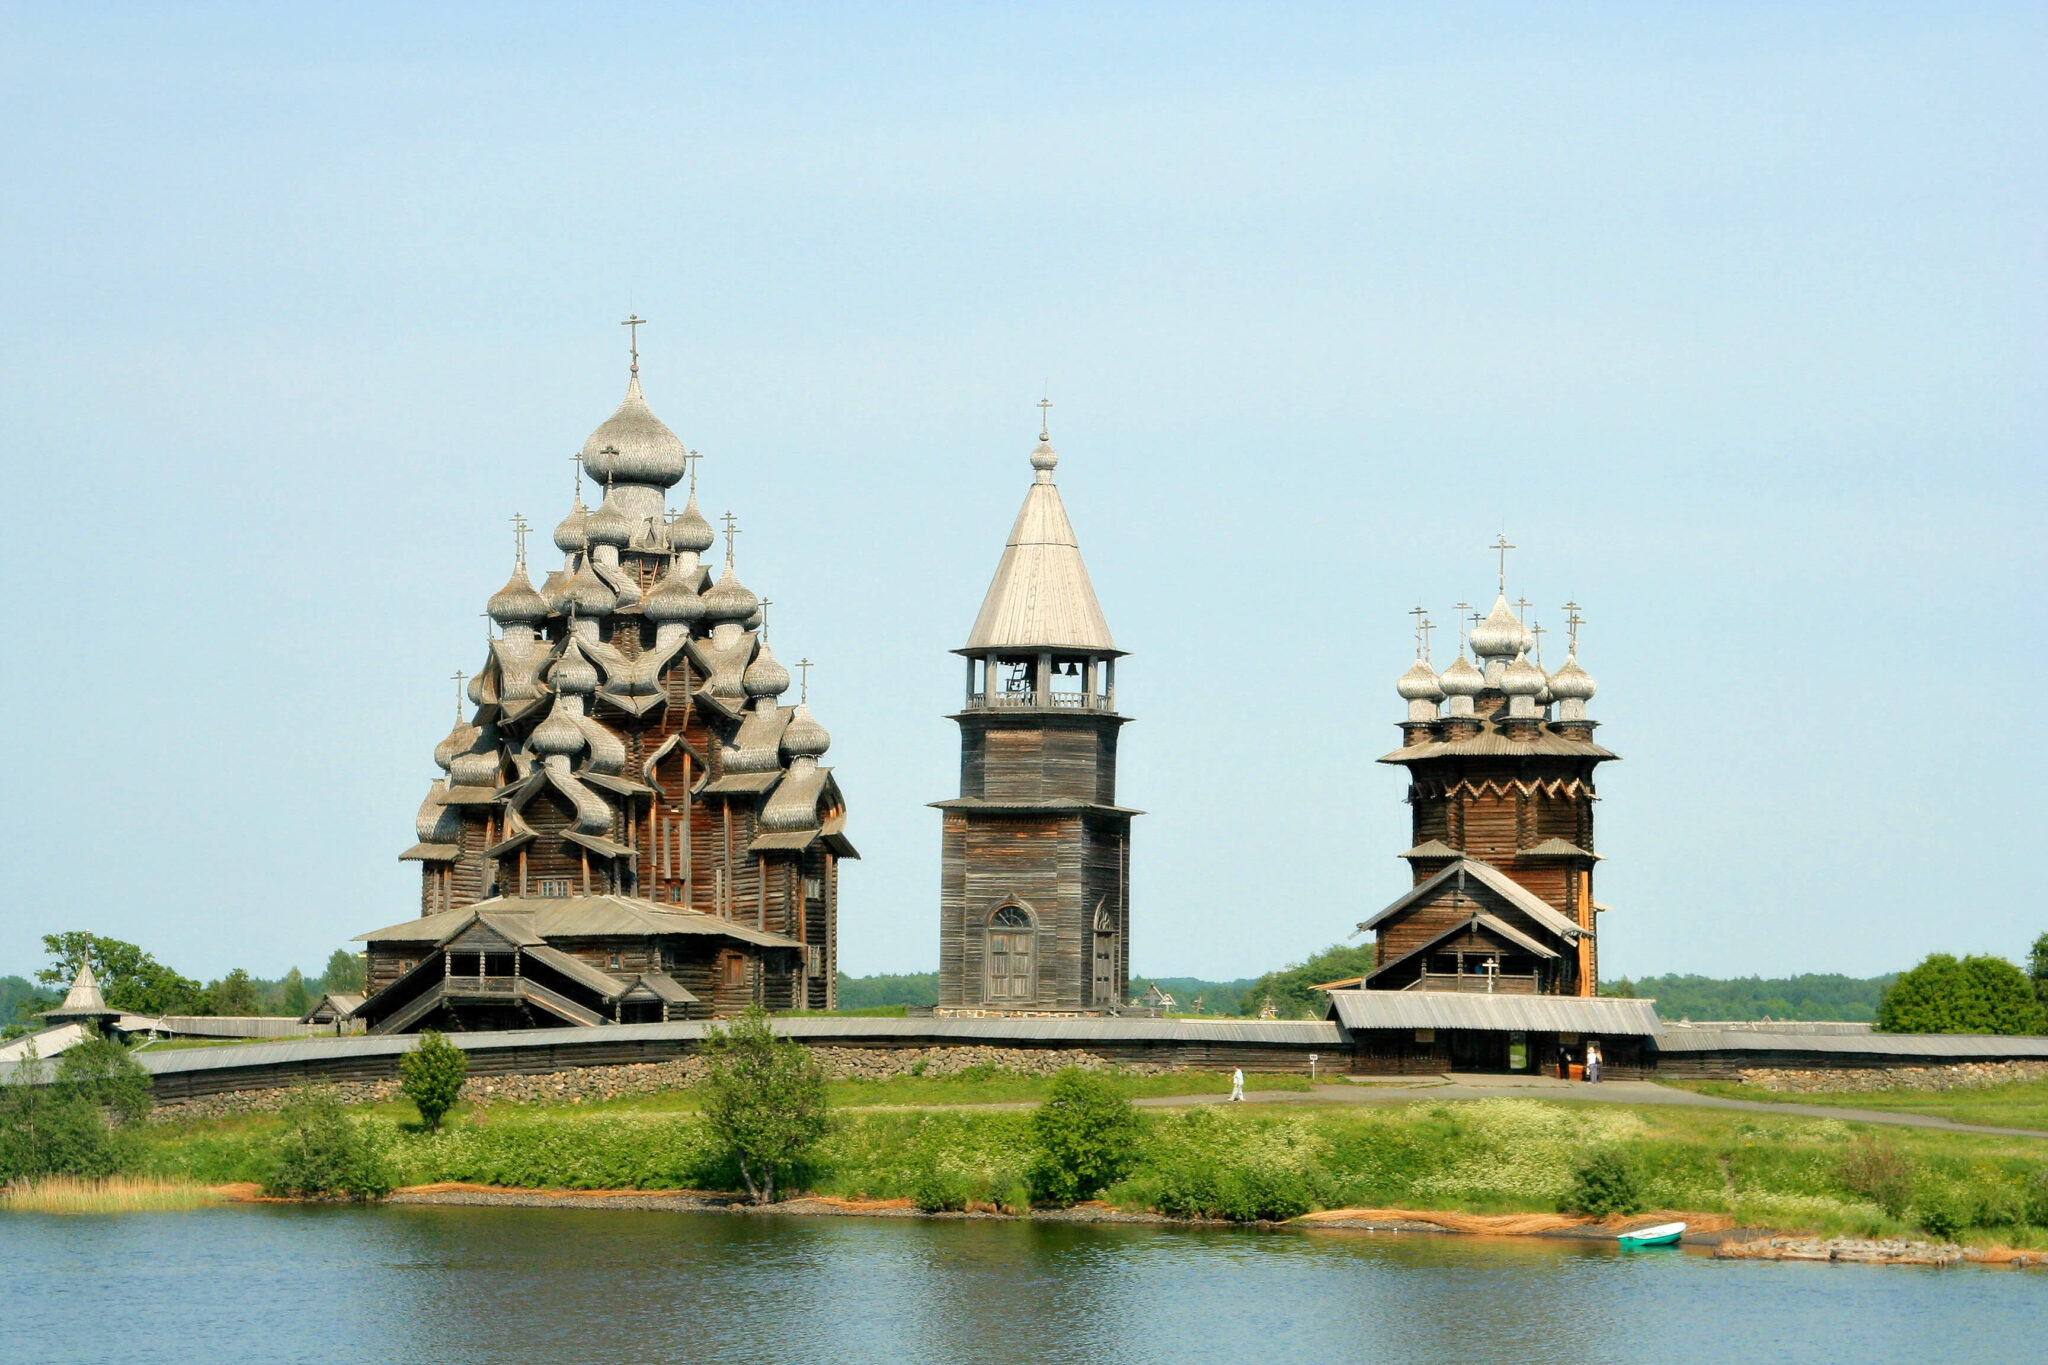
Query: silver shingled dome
x,y
633,446
1419,684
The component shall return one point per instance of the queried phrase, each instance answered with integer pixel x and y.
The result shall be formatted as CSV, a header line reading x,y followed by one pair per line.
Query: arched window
x,y
1012,957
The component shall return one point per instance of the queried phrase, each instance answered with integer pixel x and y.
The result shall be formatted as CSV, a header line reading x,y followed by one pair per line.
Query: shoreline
x,y
1711,1233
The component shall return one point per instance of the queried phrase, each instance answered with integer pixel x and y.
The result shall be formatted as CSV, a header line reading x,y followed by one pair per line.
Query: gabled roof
x,y
1492,924
1506,887
552,917
579,971
1597,1015
1041,596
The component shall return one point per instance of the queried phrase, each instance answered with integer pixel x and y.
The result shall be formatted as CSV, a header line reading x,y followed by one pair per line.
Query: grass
x,y
2020,1105
112,1194
908,1136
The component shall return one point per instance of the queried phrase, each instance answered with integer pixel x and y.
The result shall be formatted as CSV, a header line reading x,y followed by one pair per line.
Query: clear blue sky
x,y
1732,316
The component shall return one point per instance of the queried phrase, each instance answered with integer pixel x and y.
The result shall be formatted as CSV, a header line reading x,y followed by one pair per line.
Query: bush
x,y
1973,995
1085,1133
1603,1184
2037,1197
60,1126
1943,1208
322,1151
1204,1165
764,1100
101,1073
431,1077
1880,1173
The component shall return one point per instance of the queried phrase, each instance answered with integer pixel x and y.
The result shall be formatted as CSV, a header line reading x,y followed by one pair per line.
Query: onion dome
x,y
633,446
572,535
1461,679
690,533
1572,683
1045,459
436,823
559,735
765,677
728,600
479,766
803,737
573,672
1522,679
517,604
608,525
1501,635
673,599
589,594
1419,684
459,739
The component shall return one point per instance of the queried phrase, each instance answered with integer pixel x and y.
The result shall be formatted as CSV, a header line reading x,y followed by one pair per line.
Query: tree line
x,y
132,979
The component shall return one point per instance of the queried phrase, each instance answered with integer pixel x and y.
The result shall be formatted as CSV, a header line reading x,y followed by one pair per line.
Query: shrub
x,y
764,1100
1880,1173
431,1077
2037,1197
322,1151
1204,1165
1943,1208
59,1127
101,1073
1604,1183
1085,1133
1973,995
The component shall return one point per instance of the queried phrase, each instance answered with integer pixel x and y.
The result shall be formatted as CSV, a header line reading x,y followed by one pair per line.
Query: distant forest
x,y
1678,996
1810,996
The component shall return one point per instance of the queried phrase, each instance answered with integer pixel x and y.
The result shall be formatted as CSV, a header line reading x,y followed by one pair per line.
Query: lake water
x,y
280,1284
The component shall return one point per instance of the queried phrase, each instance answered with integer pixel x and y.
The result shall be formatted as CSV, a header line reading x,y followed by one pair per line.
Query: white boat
x,y
1662,1235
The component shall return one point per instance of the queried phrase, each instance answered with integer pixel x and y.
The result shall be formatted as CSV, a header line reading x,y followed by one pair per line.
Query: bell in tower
x,y
1034,903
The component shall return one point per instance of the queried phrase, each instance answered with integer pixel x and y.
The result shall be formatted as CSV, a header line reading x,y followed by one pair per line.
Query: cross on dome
x,y
634,321
804,667
1044,427
459,679
519,530
731,529
1503,547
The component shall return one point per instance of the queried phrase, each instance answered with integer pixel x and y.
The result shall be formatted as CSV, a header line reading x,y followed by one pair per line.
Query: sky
x,y
1731,317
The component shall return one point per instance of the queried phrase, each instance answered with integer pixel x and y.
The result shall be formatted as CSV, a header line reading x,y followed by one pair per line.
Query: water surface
x,y
288,1283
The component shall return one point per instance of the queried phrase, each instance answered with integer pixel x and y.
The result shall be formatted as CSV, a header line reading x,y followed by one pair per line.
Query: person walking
x,y
1237,1085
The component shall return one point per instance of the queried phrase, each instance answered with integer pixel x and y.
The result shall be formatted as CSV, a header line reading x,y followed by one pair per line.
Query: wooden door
x,y
1012,957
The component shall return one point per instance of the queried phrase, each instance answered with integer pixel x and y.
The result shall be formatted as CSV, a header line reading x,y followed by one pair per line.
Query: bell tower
x,y
1034,901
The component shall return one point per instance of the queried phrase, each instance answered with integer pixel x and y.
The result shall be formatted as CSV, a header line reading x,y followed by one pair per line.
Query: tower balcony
x,y
1037,699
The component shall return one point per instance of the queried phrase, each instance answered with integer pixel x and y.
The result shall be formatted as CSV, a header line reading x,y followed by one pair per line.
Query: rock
x,y
1958,1076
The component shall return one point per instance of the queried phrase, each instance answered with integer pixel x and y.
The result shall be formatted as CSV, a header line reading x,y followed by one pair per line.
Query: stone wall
x,y
1959,1076
590,1083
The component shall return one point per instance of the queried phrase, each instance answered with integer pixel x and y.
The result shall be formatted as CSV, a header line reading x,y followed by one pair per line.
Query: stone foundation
x,y
590,1083
1960,1076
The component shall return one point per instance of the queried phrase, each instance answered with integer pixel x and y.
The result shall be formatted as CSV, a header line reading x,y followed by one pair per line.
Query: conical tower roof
x,y
1041,597
83,1000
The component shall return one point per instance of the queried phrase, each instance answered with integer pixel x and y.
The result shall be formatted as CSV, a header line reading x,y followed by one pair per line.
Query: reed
x,y
112,1194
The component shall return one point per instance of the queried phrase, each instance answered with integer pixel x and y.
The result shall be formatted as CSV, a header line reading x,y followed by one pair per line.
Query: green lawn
x,y
1491,1155
2023,1105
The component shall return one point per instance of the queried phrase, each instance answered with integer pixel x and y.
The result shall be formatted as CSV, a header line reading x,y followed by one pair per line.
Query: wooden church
x,y
1500,759
630,824
1034,900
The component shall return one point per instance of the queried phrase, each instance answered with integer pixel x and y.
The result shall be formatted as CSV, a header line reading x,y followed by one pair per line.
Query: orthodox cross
x,y
635,321
766,603
1462,608
488,623
1421,616
1522,608
460,679
690,463
731,530
1503,547
1427,627
1044,429
1536,629
804,666
578,458
1573,621
519,530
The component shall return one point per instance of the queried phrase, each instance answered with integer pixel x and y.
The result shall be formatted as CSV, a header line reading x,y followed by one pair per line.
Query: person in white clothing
x,y
1237,1084
1593,1062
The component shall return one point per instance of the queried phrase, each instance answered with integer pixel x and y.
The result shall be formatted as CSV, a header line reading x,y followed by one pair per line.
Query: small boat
x,y
1661,1235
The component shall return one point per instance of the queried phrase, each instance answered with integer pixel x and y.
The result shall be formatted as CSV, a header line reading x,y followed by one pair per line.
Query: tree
x,y
1086,1133
344,972
1289,986
233,994
100,1072
764,1100
431,1077
2037,967
59,1126
294,997
130,978
1971,995
322,1151
1604,1183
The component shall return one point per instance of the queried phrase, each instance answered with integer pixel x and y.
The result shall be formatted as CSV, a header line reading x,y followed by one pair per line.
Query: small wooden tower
x,y
1500,758
1034,905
